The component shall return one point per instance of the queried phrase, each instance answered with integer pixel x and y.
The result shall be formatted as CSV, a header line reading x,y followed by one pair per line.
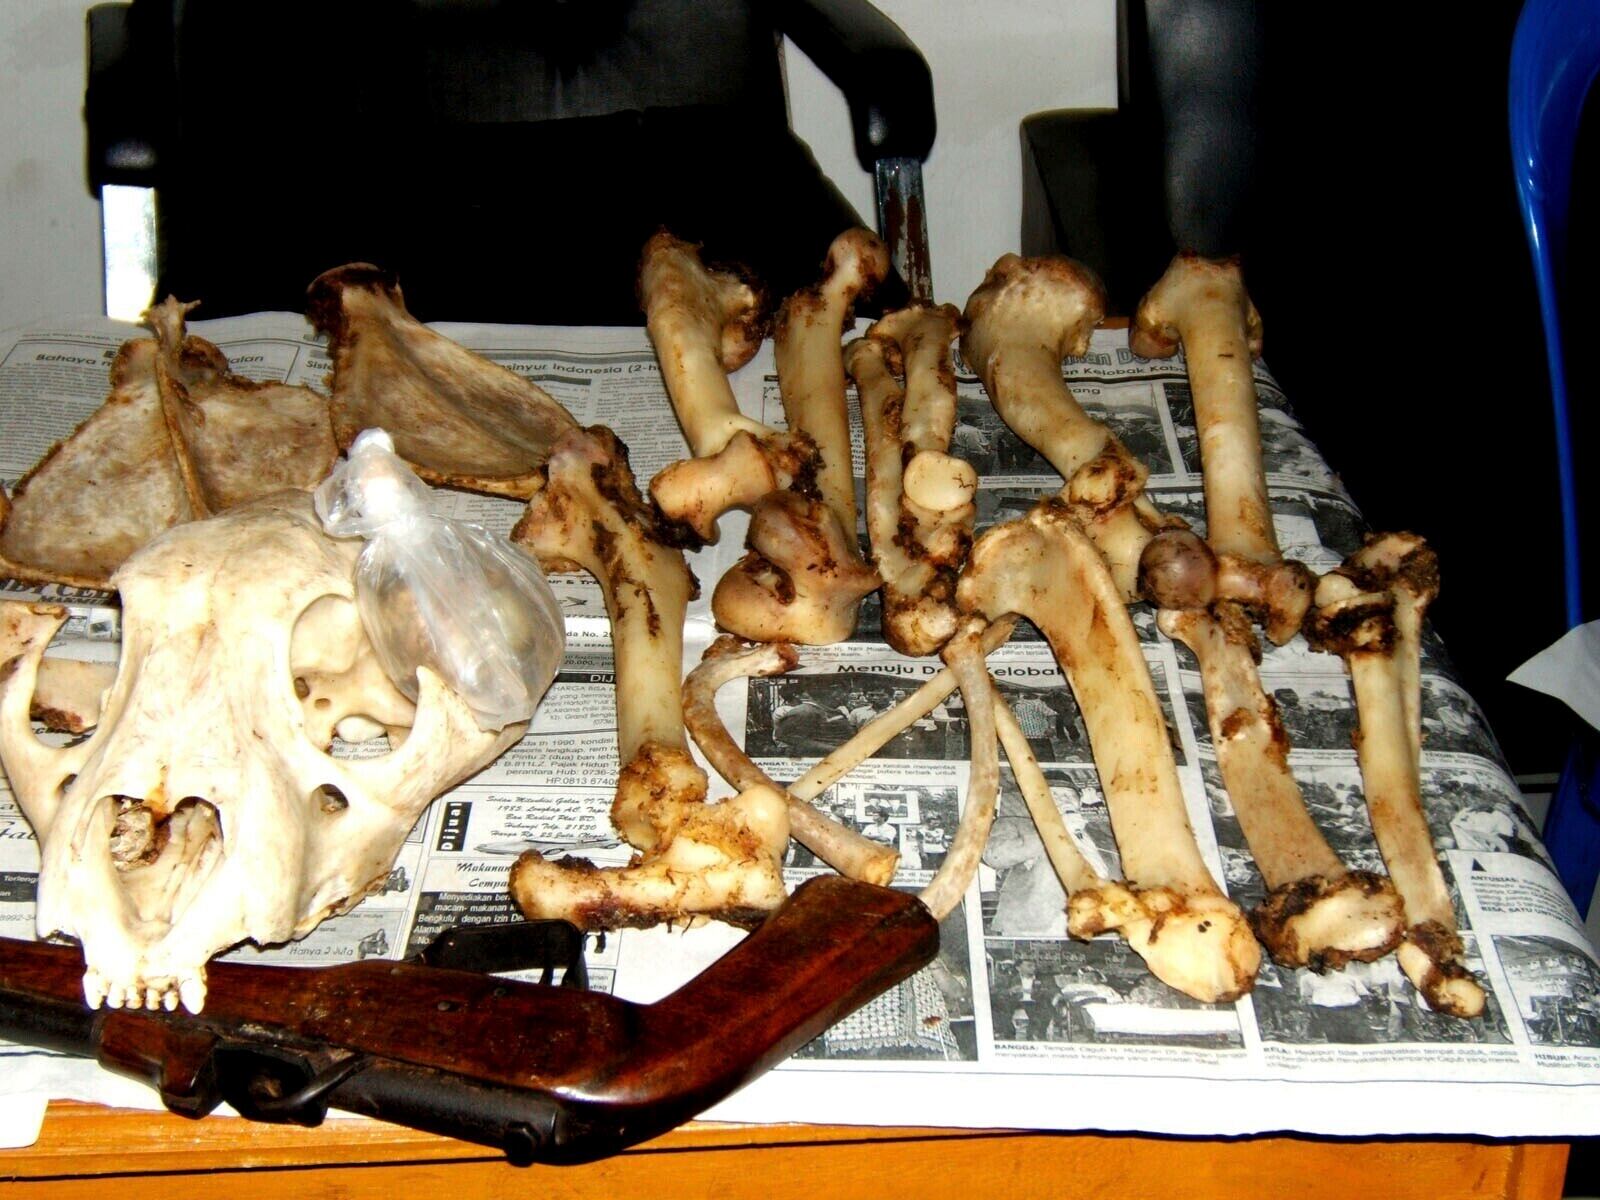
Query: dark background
x,y
1387,201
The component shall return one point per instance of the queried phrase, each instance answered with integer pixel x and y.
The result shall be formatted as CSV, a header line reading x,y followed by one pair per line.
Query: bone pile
x,y
1317,912
132,819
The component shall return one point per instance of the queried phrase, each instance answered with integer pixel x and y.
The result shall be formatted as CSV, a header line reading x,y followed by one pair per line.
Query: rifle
x,y
545,1073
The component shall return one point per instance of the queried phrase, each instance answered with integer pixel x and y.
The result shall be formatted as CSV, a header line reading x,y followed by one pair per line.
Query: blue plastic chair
x,y
1554,59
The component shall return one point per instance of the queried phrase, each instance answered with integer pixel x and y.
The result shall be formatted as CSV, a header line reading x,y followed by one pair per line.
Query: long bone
x,y
811,375
704,325
1044,567
1202,304
1026,316
697,859
803,579
726,659
1369,611
1141,925
920,507
1317,912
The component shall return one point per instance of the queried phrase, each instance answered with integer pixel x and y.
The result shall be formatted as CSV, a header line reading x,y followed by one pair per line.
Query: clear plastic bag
x,y
441,593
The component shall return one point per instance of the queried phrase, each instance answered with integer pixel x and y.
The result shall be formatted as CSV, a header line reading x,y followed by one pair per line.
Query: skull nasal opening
x,y
141,833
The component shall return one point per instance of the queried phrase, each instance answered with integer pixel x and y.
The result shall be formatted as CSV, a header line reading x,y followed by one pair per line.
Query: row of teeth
x,y
150,994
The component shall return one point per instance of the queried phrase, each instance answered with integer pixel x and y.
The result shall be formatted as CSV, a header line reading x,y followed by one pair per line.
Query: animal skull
x,y
205,809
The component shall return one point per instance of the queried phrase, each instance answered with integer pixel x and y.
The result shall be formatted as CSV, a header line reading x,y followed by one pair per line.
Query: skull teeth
x,y
162,992
192,991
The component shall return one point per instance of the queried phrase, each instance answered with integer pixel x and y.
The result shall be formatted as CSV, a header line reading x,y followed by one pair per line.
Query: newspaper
x,y
1015,1024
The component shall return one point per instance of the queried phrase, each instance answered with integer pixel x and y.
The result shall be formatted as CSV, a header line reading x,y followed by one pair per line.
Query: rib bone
x,y
1369,611
588,515
1042,566
919,498
964,654
726,659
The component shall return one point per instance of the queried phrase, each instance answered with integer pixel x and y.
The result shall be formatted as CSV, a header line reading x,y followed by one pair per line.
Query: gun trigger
x,y
521,946
277,1085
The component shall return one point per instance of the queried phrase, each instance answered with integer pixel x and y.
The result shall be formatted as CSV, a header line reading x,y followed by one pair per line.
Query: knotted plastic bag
x,y
441,593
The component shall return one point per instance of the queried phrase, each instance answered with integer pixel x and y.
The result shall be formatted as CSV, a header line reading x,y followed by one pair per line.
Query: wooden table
x,y
86,1150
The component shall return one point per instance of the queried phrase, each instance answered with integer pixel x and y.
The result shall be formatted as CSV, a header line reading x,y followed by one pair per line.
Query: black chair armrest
x,y
883,76
126,99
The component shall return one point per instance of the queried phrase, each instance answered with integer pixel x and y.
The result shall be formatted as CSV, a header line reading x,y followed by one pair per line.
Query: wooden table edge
x,y
81,1141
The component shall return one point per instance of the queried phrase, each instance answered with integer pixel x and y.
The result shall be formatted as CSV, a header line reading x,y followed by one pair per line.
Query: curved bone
x,y
964,655
1074,871
1044,567
704,324
877,732
920,507
188,820
1369,611
1026,316
714,860
726,659
1202,304
456,417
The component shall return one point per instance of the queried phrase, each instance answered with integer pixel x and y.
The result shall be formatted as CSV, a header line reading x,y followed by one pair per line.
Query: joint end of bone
x,y
1178,571
1431,957
1325,923
1278,593
1054,301
1200,945
939,482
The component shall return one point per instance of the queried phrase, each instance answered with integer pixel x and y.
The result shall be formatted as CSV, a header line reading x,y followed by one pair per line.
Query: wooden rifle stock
x,y
547,1074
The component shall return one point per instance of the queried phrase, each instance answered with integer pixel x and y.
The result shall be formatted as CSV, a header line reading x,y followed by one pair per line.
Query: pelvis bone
x,y
205,809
